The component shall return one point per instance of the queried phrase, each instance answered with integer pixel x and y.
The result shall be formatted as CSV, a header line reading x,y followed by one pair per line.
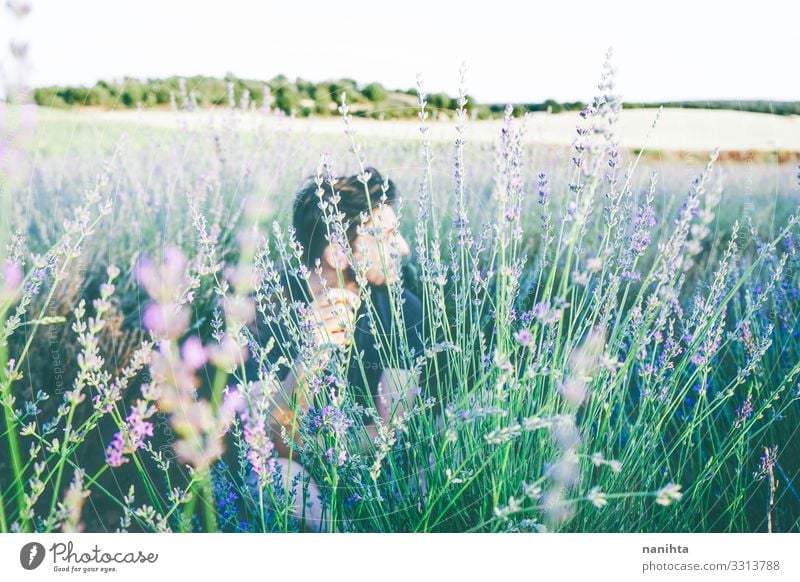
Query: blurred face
x,y
380,237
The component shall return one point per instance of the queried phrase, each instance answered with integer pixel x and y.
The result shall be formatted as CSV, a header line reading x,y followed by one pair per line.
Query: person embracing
x,y
352,250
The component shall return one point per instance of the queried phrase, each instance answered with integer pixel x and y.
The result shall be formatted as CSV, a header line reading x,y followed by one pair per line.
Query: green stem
x,y
188,509
220,377
13,444
208,502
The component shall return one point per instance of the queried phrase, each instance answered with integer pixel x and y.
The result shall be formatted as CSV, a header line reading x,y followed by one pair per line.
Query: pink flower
x,y
227,354
12,279
545,314
240,309
260,447
193,353
132,436
242,277
201,433
195,417
233,402
166,282
174,378
168,320
339,459
524,336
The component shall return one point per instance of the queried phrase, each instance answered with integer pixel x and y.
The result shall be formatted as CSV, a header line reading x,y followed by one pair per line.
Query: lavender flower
x,y
132,436
201,432
524,337
69,510
669,493
10,283
166,321
329,420
597,497
260,446
766,462
335,458
744,412
165,283
545,314
193,353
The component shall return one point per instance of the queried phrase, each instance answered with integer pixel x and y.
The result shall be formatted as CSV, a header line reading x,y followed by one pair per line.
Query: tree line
x,y
305,98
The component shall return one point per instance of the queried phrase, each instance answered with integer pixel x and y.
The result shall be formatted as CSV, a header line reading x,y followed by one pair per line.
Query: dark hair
x,y
307,217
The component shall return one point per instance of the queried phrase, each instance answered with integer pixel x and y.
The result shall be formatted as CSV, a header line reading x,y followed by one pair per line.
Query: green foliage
x,y
327,95
323,104
553,106
287,99
49,97
374,92
132,93
773,107
441,101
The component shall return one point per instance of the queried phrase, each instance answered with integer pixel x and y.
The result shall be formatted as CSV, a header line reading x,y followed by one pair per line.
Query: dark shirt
x,y
364,339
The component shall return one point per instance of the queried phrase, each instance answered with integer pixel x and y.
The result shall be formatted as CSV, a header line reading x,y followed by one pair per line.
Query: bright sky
x,y
515,51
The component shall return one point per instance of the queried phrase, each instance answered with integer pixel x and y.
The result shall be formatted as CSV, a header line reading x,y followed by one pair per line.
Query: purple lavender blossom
x,y
131,438
545,314
527,318
260,447
524,337
744,412
352,500
163,282
334,458
167,320
193,353
766,462
12,278
329,421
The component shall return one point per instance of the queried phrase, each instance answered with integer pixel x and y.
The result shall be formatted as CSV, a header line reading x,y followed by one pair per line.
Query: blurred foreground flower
x,y
10,282
668,493
202,432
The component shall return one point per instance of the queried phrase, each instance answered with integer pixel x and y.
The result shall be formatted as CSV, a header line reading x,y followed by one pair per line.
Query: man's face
x,y
381,237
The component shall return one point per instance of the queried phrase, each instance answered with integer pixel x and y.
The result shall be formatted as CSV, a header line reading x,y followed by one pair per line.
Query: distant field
x,y
677,130
611,340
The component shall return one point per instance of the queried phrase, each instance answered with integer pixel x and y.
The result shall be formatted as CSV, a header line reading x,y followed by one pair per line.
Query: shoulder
x,y
411,299
410,302
414,319
412,312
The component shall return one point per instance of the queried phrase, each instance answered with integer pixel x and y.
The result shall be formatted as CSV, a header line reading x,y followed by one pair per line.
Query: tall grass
x,y
607,348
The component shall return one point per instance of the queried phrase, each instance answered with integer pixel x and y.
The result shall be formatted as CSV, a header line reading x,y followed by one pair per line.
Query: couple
x,y
339,316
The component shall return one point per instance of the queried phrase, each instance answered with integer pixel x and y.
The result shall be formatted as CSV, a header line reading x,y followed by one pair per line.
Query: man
x,y
340,317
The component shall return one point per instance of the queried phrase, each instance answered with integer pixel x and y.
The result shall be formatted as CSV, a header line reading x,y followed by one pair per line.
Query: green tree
x,y
49,97
374,92
132,92
323,104
287,99
439,101
305,88
553,106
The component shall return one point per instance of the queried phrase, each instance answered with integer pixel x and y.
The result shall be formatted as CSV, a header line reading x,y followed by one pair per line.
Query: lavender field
x,y
610,336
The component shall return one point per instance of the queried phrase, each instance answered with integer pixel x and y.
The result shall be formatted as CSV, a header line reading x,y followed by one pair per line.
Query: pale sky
x,y
514,51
